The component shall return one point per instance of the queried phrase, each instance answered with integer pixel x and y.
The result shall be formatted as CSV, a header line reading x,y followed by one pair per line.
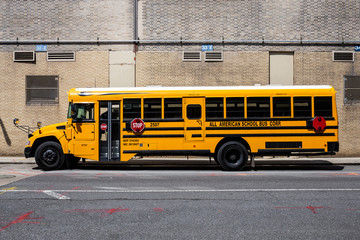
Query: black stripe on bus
x,y
156,120
154,136
169,152
194,128
196,135
295,145
278,151
273,135
263,119
160,129
262,128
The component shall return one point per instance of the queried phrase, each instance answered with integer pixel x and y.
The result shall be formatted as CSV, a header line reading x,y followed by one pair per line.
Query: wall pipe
x,y
181,41
136,19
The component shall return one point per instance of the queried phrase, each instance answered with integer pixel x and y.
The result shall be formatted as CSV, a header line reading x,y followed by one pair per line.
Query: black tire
x,y
49,156
232,156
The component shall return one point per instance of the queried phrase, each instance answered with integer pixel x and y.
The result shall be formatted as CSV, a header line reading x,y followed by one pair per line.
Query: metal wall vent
x,y
214,56
343,56
191,56
61,56
351,90
23,56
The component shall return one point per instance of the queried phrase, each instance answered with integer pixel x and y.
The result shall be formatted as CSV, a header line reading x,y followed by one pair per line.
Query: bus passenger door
x,y
109,131
194,118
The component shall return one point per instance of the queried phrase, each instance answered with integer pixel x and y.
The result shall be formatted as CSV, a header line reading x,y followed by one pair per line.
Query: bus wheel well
x,y
240,140
39,141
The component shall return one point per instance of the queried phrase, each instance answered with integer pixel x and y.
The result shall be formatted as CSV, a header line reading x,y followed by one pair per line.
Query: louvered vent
x,y
352,90
343,56
61,56
24,56
191,56
213,56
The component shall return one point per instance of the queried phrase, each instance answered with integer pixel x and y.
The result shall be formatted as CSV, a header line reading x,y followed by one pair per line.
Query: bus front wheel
x,y
232,156
49,156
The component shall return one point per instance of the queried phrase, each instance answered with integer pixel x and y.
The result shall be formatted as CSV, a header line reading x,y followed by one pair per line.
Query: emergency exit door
x,y
109,129
194,118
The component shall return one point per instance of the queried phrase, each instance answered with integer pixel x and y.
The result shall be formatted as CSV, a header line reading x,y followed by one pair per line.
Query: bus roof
x,y
157,88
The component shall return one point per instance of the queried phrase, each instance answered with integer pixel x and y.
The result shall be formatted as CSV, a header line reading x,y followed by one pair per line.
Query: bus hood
x,y
47,130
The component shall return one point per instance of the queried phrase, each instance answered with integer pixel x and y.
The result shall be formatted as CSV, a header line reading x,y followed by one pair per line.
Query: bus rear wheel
x,y
49,156
232,156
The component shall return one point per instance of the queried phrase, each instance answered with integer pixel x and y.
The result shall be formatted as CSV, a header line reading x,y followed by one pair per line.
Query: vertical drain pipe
x,y
136,36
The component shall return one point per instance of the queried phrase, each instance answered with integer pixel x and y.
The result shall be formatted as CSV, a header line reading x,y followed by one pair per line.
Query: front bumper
x,y
27,152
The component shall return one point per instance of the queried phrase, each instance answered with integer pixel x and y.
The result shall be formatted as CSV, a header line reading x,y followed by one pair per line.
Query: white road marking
x,y
60,196
54,194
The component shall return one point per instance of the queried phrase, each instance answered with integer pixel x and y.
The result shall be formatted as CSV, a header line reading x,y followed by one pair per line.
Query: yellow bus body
x,y
272,134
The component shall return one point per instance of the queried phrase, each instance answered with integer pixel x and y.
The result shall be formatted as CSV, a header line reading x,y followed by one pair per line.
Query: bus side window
x,y
173,108
214,108
132,108
152,108
258,107
281,106
302,106
323,106
234,107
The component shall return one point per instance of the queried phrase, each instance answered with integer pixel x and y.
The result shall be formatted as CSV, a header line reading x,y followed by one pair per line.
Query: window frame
x,y
207,109
331,109
348,101
273,107
146,112
243,107
123,110
70,112
187,111
28,89
254,97
311,106
166,110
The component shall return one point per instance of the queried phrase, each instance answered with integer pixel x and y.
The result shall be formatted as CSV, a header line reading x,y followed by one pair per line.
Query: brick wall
x,y
89,70
249,19
67,20
168,69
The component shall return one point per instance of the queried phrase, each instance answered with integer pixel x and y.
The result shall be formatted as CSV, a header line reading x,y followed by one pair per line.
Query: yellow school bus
x,y
229,124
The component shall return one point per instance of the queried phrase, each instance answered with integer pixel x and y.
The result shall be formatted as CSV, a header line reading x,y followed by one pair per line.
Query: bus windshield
x,y
81,111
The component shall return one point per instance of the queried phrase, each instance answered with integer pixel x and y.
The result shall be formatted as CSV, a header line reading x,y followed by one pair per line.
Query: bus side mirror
x,y
74,111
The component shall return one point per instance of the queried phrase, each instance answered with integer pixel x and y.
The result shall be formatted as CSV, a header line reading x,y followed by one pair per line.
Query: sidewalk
x,y
205,161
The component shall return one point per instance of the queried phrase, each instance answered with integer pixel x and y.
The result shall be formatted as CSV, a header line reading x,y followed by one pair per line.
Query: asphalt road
x,y
172,202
